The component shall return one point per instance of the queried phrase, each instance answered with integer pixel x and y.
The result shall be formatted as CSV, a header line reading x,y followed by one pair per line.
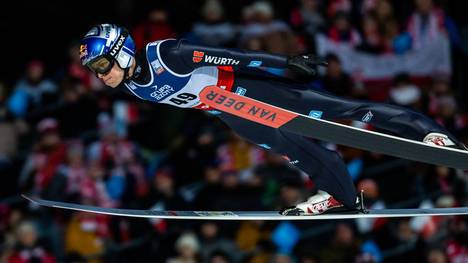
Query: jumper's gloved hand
x,y
306,64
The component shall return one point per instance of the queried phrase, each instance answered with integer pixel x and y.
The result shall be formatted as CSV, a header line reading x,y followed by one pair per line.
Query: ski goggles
x,y
104,63
101,65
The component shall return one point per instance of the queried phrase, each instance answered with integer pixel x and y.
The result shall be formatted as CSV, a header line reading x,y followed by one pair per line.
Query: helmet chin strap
x,y
126,75
127,70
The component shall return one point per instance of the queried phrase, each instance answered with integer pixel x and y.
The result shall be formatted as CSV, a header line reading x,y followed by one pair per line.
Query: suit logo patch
x,y
316,114
197,56
367,117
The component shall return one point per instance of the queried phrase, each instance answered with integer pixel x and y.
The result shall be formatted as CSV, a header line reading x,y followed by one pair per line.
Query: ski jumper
x,y
175,71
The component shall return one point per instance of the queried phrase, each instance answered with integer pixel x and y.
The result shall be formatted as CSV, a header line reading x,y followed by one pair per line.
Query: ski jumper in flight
x,y
174,72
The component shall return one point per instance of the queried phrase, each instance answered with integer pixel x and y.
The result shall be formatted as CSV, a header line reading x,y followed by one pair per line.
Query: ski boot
x,y
322,203
439,139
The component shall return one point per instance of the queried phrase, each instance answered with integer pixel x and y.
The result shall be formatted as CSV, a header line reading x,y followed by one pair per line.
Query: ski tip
x,y
31,199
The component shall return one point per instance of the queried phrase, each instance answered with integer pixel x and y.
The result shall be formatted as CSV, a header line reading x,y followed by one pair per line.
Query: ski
x,y
329,131
249,215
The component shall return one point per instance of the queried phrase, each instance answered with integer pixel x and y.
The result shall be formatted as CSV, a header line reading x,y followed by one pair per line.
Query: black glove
x,y
306,64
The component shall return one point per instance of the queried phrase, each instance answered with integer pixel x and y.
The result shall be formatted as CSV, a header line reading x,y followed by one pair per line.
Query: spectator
x,y
395,41
367,6
155,27
214,246
405,234
10,131
31,92
447,115
232,189
442,106
214,30
445,181
41,165
342,31
76,103
335,80
307,21
383,11
238,155
440,88
28,249
85,234
187,246
343,247
405,93
436,256
263,32
219,256
95,188
426,23
210,189
74,171
372,200
251,234
337,6
163,193
372,40
111,149
457,246
371,193
198,151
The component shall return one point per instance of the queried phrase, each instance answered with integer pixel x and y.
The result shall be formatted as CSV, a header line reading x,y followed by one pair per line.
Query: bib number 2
x,y
183,98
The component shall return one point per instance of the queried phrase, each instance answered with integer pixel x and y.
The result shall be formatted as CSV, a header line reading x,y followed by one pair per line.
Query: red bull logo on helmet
x,y
83,51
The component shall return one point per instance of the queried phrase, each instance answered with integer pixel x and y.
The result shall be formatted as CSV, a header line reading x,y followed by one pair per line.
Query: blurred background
x,y
65,137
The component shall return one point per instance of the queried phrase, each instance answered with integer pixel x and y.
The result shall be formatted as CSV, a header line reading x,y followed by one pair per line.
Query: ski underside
x,y
329,131
250,215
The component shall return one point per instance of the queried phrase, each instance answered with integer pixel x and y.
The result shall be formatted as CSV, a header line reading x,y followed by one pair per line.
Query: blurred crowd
x,y
66,137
